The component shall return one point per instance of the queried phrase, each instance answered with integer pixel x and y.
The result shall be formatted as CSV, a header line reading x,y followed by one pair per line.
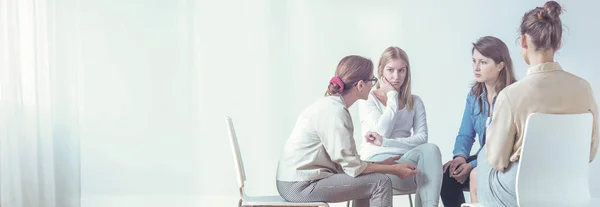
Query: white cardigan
x,y
321,144
392,124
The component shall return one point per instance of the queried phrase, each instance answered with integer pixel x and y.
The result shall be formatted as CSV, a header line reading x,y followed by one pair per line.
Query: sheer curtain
x,y
39,146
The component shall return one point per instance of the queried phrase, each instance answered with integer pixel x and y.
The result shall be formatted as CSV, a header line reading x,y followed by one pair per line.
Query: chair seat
x,y
275,200
595,202
472,205
397,192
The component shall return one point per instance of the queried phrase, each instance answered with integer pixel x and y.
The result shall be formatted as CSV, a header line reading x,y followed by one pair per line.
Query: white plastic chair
x,y
398,193
472,205
245,200
554,163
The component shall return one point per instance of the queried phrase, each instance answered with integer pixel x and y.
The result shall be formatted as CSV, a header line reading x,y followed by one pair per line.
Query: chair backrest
x,y
237,155
554,162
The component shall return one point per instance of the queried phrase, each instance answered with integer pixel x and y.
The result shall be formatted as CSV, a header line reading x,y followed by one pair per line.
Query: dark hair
x,y
543,26
351,69
495,49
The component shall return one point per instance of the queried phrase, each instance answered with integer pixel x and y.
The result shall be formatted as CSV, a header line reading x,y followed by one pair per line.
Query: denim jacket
x,y
473,123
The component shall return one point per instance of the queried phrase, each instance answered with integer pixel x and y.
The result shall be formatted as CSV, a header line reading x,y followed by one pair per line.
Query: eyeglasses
x,y
374,79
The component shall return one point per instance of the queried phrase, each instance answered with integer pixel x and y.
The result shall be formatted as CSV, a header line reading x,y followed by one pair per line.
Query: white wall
x,y
159,77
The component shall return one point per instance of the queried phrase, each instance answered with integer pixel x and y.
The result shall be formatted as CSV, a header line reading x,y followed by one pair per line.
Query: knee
x,y
383,180
447,180
449,185
446,176
385,183
431,149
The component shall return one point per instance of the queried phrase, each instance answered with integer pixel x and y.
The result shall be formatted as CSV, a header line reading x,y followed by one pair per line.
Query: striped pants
x,y
369,190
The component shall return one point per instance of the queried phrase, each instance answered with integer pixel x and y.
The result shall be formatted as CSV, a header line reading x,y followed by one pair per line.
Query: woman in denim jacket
x,y
493,70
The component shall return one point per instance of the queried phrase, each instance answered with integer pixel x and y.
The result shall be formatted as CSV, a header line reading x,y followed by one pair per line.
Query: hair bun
x,y
552,10
333,89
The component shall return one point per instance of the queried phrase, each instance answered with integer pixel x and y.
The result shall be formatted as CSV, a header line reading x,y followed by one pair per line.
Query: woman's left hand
x,y
374,138
462,173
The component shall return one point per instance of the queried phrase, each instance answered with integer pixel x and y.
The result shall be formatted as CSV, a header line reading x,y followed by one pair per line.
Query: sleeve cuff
x,y
460,155
392,94
473,163
392,100
385,142
357,171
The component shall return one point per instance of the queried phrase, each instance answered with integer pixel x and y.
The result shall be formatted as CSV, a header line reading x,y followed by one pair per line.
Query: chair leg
x,y
410,200
348,203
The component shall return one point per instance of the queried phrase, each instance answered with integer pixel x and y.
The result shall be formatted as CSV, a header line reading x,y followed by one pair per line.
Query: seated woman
x,y
493,70
547,88
388,116
320,162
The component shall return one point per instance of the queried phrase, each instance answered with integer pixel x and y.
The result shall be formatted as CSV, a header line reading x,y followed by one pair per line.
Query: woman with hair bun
x,y
547,88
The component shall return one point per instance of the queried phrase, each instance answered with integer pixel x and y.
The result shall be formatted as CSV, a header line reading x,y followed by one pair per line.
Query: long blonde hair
x,y
395,53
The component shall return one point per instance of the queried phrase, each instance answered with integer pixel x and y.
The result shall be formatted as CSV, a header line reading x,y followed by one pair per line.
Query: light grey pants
x,y
427,183
369,190
494,188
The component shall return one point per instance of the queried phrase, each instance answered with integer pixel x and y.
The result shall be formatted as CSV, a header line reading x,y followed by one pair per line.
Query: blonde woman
x,y
388,116
320,162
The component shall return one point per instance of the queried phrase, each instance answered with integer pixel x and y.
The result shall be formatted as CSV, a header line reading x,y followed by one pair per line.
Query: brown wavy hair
x,y
495,49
